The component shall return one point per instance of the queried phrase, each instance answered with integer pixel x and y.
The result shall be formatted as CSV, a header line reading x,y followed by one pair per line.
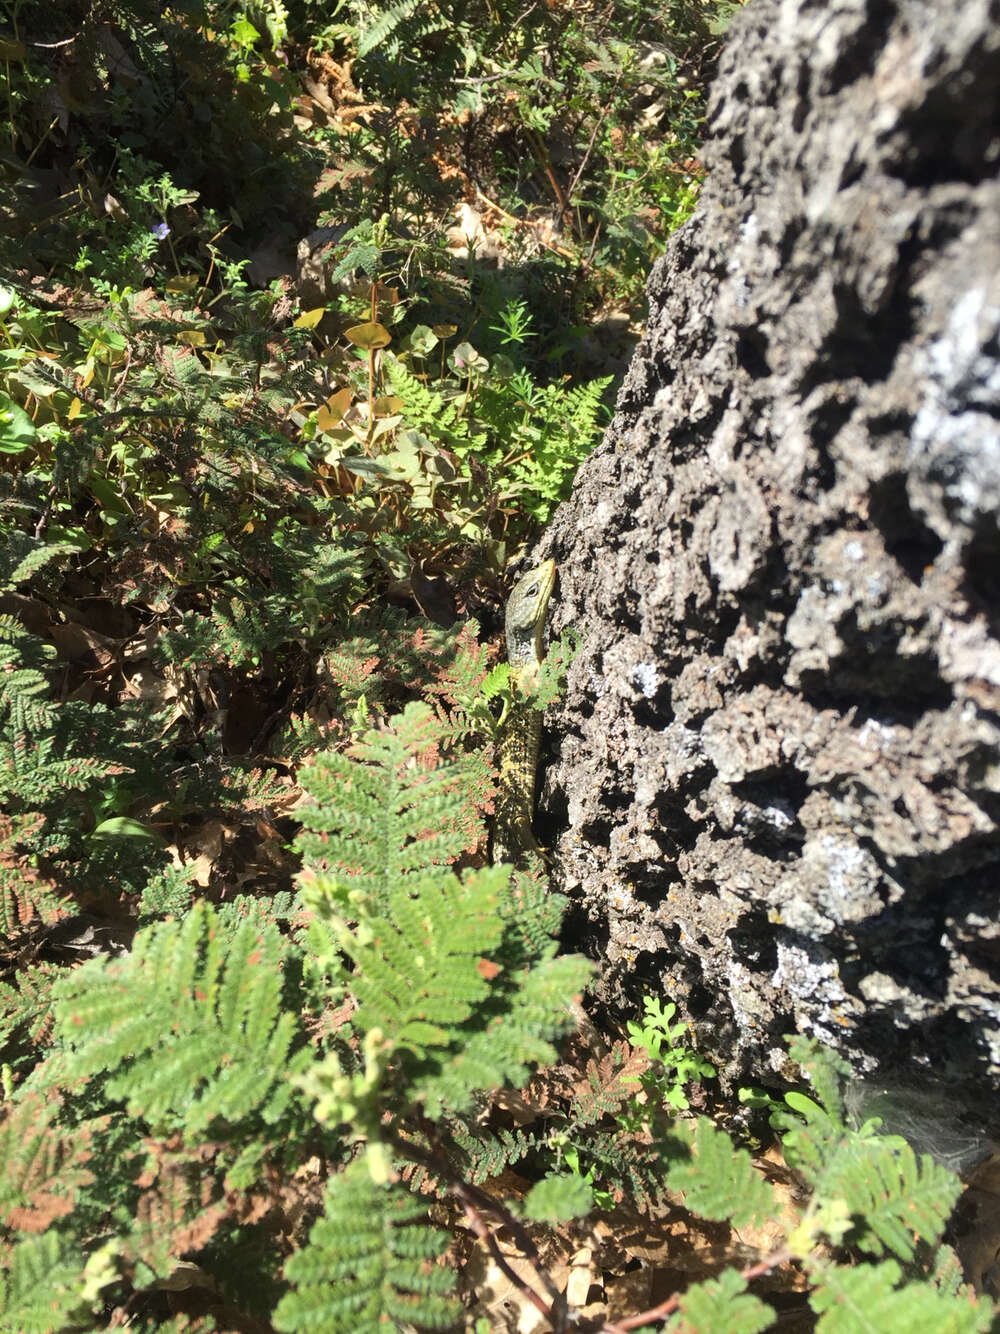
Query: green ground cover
x,y
308,314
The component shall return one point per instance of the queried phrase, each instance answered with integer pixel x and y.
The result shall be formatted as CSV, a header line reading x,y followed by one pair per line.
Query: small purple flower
x,y
161,230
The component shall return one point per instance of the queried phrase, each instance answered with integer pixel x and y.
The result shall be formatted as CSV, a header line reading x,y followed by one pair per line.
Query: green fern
x,y
387,810
485,1155
28,1006
718,1181
371,1263
895,1198
434,997
519,1025
42,1283
418,966
427,411
558,1198
720,1306
37,558
870,1300
395,29
188,1030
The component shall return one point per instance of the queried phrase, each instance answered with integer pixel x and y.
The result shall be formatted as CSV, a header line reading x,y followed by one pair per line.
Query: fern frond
x,y
484,1156
717,1180
39,557
371,1264
395,25
421,969
608,1084
532,912
626,1167
514,1041
188,1028
180,1210
40,1284
894,1198
429,979
41,1166
24,895
431,413
388,809
720,1306
29,1004
825,1070
866,1300
557,1198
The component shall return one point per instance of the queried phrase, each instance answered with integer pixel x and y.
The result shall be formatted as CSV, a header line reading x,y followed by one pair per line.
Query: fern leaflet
x,y
866,1300
717,1179
188,1028
369,1265
720,1306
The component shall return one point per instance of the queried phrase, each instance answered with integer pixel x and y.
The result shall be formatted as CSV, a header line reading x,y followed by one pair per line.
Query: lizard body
x,y
520,731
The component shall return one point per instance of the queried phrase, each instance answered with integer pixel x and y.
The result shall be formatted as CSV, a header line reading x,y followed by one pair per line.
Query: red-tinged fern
x,y
390,806
179,1210
608,1084
25,895
189,1029
42,1165
28,1005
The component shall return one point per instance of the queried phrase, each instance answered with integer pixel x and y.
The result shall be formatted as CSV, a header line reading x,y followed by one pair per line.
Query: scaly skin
x,y
517,747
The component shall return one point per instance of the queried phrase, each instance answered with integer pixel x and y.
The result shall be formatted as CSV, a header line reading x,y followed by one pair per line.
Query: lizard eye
x,y
532,591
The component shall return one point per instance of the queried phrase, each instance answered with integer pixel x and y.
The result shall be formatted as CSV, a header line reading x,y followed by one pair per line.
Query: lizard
x,y
520,728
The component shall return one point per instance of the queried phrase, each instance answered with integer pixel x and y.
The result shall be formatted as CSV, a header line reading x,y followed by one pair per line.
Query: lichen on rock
x,y
774,787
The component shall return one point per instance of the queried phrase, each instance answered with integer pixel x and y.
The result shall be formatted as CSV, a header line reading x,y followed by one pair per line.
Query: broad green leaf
x,y
17,430
121,826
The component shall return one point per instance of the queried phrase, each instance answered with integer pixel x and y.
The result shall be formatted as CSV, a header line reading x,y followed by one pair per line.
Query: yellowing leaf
x,y
193,337
385,407
74,409
310,318
333,409
370,336
182,282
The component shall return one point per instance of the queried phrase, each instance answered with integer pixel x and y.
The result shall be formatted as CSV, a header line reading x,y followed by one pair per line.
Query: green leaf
x,y
17,430
309,319
121,826
243,32
422,341
369,336
556,1199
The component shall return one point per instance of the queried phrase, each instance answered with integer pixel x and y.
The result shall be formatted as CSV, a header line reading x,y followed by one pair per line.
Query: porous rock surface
x,y
774,786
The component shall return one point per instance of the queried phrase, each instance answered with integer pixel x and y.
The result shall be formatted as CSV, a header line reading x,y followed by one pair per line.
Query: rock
x,y
774,790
